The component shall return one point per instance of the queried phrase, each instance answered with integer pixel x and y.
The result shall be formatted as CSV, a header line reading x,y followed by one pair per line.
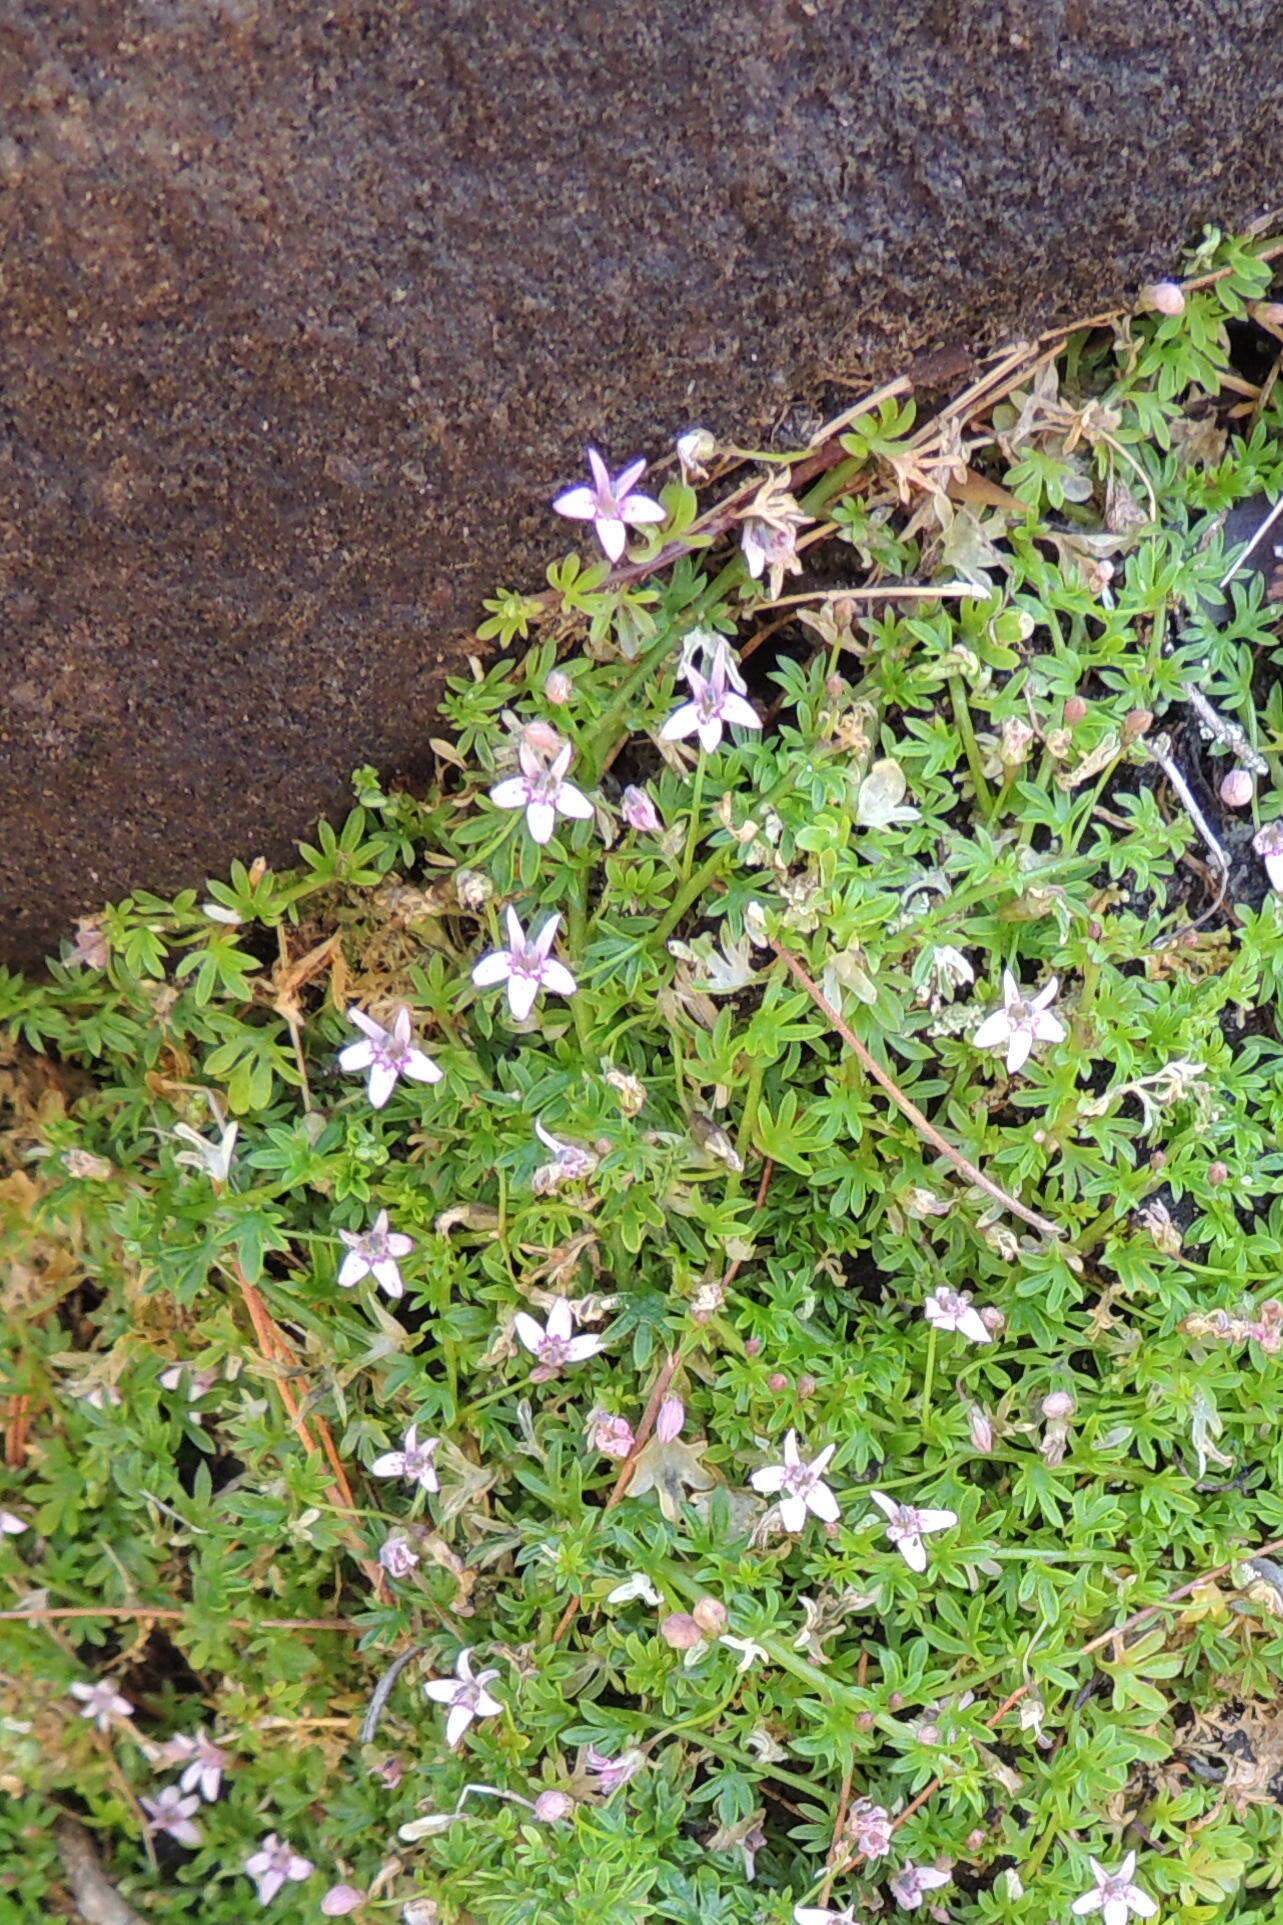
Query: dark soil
x,y
309,308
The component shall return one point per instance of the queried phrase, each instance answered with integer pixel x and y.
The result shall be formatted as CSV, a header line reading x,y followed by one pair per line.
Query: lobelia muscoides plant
x,y
681,1325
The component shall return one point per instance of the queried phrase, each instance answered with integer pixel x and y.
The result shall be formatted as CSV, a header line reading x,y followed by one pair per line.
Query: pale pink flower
x,y
11,1526
611,1773
272,1864
611,505
552,1343
543,792
203,1761
870,1829
387,1054
911,1884
1114,1895
466,1695
101,1702
952,1310
415,1461
801,1486
525,966
613,1436
397,1555
340,1900
907,1526
824,1915
1021,1022
199,1382
170,1812
639,811
980,1425
713,706
1268,844
670,1419
376,1253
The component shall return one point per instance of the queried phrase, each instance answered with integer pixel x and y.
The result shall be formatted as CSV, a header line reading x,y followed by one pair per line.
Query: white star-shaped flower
x,y
1021,1022
907,1526
911,1884
272,1864
388,1054
543,792
415,1461
525,967
466,1695
552,1343
800,1485
1114,1895
713,706
953,1310
101,1702
376,1253
610,504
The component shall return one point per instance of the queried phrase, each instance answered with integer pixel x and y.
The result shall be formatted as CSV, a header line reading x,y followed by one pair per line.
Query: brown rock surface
x,y
309,308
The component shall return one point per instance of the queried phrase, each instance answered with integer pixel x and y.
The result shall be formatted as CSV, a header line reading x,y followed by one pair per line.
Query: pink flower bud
x,y
672,1415
753,1347
1218,1173
993,1320
980,1424
1075,710
777,1381
710,1615
1165,297
639,811
552,1806
807,1386
1237,789
340,1900
398,1556
558,688
1058,1405
680,1631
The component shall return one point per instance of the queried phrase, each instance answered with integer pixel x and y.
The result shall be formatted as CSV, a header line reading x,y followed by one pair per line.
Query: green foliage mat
x,y
725,1691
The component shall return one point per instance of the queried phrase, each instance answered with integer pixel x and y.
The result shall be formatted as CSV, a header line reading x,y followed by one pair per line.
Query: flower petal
x,y
641,510
579,504
522,991
736,709
511,793
530,1332
768,1480
391,1464
558,978
993,1031
573,802
356,1056
612,534
492,969
823,1504
541,820
381,1085
682,722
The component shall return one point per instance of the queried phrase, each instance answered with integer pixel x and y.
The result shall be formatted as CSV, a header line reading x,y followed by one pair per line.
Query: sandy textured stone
x,y
309,309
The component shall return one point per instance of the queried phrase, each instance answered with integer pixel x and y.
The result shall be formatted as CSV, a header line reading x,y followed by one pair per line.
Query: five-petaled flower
x,y
953,1310
801,1486
272,1864
376,1253
907,1526
552,1343
415,1461
1021,1022
170,1812
911,1884
612,505
713,706
1268,844
1114,1895
525,966
466,1695
869,1828
388,1054
101,1702
203,1762
542,791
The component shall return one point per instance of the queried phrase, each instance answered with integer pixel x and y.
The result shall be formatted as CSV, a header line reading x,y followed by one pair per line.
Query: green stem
x,y
692,833
962,716
928,1378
